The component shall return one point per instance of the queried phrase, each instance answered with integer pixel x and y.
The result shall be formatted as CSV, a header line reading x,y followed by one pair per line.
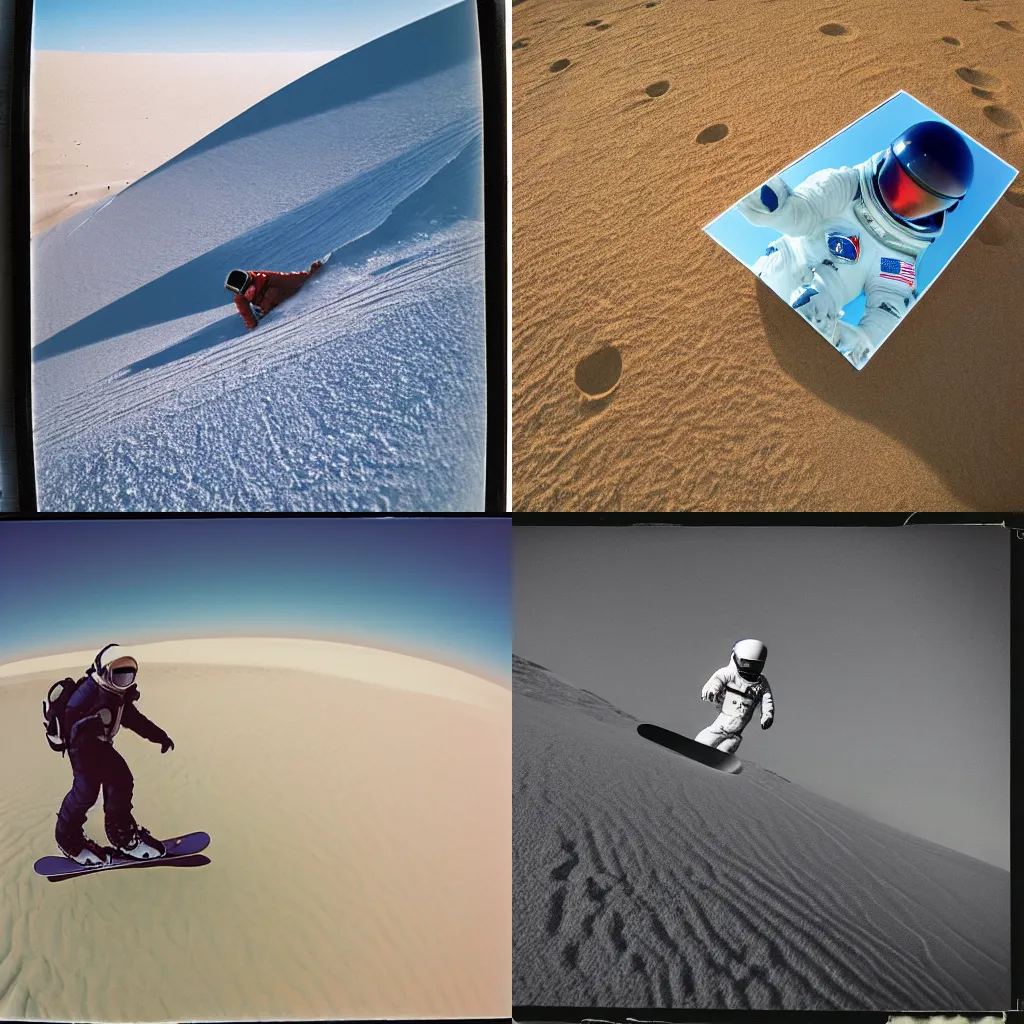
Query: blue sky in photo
x,y
197,26
868,135
437,588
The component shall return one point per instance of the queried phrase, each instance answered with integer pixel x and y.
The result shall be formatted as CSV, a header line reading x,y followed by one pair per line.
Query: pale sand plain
x,y
634,125
359,804
100,121
644,879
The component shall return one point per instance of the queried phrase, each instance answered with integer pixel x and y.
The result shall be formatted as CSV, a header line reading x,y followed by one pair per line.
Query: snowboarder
x,y
259,291
104,701
861,229
737,689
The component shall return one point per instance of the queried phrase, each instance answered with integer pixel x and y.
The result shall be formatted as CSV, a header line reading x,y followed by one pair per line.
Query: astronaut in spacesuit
x,y
861,229
737,689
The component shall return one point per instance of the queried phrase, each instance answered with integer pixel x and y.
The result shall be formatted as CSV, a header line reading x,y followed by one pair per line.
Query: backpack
x,y
57,698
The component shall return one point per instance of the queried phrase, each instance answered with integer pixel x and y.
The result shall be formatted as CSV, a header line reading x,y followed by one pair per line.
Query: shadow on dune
x,y
416,51
946,384
289,242
226,329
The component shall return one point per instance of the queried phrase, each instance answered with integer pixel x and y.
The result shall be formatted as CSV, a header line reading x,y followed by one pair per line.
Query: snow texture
x,y
364,392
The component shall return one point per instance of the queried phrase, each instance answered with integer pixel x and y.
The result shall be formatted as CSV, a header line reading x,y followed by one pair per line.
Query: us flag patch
x,y
897,270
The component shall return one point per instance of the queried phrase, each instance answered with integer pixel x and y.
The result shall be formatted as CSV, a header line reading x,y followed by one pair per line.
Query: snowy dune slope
x,y
643,879
366,390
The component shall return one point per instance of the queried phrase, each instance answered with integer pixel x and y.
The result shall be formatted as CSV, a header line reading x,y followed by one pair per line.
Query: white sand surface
x,y
644,879
361,844
103,120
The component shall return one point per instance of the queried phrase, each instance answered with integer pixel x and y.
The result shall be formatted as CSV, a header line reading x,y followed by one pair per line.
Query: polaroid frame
x,y
919,294
16,416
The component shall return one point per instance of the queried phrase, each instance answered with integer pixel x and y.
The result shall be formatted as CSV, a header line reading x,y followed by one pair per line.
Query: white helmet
x,y
749,657
115,669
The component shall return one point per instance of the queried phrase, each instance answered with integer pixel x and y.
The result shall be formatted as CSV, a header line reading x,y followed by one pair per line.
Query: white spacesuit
x,y
738,688
861,229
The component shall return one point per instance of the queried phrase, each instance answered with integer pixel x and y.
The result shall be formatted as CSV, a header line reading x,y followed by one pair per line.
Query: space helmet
x,y
238,281
927,169
749,657
115,669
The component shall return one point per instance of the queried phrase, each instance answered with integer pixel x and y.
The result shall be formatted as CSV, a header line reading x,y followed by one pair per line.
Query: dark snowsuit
x,y
269,289
95,762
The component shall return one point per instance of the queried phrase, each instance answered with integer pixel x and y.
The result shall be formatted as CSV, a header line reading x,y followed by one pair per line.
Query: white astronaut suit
x,y
737,689
841,234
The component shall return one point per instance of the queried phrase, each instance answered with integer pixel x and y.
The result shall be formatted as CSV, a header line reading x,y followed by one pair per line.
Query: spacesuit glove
x,y
766,199
855,343
816,306
166,744
710,692
766,721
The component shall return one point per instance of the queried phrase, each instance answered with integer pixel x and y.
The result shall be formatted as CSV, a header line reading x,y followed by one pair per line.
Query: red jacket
x,y
268,289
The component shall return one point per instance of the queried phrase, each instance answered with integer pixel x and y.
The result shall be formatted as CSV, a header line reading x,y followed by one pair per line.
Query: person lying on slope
x,y
257,292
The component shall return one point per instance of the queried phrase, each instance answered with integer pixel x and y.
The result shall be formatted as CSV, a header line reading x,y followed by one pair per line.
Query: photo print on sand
x,y
760,769
319,709
853,234
259,279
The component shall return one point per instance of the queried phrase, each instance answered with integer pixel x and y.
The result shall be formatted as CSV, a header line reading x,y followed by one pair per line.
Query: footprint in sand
x,y
833,29
714,133
1008,25
1015,198
1002,117
591,24
983,94
657,89
560,65
952,40
602,28
521,44
972,76
597,375
994,230
650,5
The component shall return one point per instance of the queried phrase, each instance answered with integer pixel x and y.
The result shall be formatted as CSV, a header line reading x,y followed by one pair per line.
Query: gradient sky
x,y
888,652
867,135
438,588
197,26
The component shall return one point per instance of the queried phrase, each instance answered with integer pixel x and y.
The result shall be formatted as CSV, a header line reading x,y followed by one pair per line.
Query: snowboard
x,y
178,848
701,752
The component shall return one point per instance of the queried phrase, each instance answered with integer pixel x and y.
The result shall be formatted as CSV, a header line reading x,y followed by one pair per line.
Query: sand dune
x,y
360,853
643,879
102,120
633,126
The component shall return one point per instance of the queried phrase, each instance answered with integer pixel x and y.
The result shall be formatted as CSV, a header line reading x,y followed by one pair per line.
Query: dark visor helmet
x,y
927,169
749,657
238,281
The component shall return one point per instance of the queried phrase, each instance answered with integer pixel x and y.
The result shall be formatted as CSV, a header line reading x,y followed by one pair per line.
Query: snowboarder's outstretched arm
x,y
132,718
799,211
767,705
246,312
714,687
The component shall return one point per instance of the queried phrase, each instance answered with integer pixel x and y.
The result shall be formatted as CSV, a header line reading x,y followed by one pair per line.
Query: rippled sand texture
x,y
633,126
360,857
643,879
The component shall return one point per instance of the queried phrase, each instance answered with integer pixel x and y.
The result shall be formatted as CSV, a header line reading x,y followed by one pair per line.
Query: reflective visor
x,y
749,669
122,677
237,280
904,197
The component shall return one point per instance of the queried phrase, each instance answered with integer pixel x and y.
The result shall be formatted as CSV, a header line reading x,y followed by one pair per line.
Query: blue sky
x,y
439,588
866,136
198,26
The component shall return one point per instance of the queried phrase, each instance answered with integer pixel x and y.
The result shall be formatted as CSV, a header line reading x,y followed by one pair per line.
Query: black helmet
x,y
238,281
927,169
